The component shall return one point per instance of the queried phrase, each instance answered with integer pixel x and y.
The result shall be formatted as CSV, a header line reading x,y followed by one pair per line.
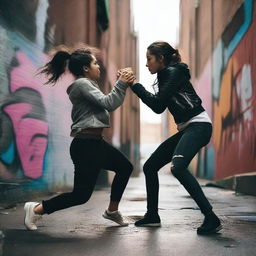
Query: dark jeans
x,y
180,149
89,156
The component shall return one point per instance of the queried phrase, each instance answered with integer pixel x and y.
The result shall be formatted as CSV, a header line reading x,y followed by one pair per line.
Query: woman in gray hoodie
x,y
89,151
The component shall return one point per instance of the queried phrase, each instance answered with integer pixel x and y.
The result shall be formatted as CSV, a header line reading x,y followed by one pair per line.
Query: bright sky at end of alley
x,y
154,20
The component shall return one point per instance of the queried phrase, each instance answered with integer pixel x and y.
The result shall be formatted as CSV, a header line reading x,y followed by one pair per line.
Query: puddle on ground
x,y
137,199
186,196
244,218
230,246
227,242
243,214
135,217
4,213
190,208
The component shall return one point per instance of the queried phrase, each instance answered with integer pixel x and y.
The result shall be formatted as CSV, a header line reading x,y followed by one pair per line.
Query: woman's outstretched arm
x,y
158,102
111,101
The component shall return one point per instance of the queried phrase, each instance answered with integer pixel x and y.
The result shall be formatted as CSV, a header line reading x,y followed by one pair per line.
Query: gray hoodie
x,y
91,106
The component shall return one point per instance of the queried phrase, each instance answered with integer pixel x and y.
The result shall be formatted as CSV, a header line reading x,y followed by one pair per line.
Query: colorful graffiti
x,y
33,137
233,99
27,115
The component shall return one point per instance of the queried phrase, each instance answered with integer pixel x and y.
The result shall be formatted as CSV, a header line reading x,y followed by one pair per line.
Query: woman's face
x,y
153,63
93,72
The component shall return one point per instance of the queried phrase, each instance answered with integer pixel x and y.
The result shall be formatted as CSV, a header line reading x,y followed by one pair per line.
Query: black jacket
x,y
175,93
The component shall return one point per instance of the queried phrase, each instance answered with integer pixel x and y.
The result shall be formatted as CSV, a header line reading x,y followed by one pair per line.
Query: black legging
x,y
180,150
89,156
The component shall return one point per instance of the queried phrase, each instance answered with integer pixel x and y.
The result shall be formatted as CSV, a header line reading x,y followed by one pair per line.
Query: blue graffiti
x,y
8,156
29,48
222,54
248,9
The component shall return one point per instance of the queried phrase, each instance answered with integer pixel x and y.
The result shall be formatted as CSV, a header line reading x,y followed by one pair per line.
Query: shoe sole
x,y
108,218
149,225
213,231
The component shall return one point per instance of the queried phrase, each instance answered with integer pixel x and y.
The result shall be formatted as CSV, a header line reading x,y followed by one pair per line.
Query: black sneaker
x,y
149,220
210,225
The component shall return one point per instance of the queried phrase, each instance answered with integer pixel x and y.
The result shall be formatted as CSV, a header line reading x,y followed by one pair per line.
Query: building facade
x,y
217,40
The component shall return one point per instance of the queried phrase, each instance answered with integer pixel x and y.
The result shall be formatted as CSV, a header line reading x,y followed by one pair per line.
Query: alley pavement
x,y
82,231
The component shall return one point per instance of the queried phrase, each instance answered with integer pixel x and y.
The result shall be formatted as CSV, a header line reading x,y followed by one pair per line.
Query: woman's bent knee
x,y
80,198
175,171
148,168
178,165
126,171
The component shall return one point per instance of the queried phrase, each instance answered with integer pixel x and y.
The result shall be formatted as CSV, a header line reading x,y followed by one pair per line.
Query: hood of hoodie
x,y
72,86
69,89
183,67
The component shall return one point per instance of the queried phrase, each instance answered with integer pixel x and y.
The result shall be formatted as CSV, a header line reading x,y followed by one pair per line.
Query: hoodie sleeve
x,y
158,102
109,101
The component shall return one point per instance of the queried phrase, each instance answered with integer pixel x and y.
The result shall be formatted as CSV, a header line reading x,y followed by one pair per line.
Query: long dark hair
x,y
161,48
76,61
170,55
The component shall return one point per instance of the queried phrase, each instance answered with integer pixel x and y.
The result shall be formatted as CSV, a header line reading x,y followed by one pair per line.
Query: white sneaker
x,y
115,216
30,217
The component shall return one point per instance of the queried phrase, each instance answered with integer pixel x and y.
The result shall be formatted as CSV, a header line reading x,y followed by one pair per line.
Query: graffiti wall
x,y
34,118
230,99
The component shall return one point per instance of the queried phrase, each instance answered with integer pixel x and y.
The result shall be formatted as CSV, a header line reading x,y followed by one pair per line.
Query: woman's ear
x,y
161,58
86,69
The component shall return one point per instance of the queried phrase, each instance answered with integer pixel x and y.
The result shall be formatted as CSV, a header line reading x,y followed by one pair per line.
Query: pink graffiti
x,y
204,88
24,75
31,134
31,138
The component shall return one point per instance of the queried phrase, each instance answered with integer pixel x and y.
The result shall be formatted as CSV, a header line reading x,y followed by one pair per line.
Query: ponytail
x,y
76,62
176,58
56,67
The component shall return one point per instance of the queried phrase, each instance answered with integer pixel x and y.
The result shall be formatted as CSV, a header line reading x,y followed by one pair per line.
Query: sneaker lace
x,y
120,217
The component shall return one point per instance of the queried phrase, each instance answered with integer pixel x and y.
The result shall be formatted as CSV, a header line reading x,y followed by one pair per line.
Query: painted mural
x,y
231,99
34,118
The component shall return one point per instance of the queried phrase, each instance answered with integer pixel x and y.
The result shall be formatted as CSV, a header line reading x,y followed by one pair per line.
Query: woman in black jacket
x,y
175,92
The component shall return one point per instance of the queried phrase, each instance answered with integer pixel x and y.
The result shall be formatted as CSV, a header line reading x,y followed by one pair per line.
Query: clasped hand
x,y
126,75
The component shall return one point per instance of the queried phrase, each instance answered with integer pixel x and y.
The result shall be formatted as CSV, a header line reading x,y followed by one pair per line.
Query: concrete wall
x,y
34,118
218,42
